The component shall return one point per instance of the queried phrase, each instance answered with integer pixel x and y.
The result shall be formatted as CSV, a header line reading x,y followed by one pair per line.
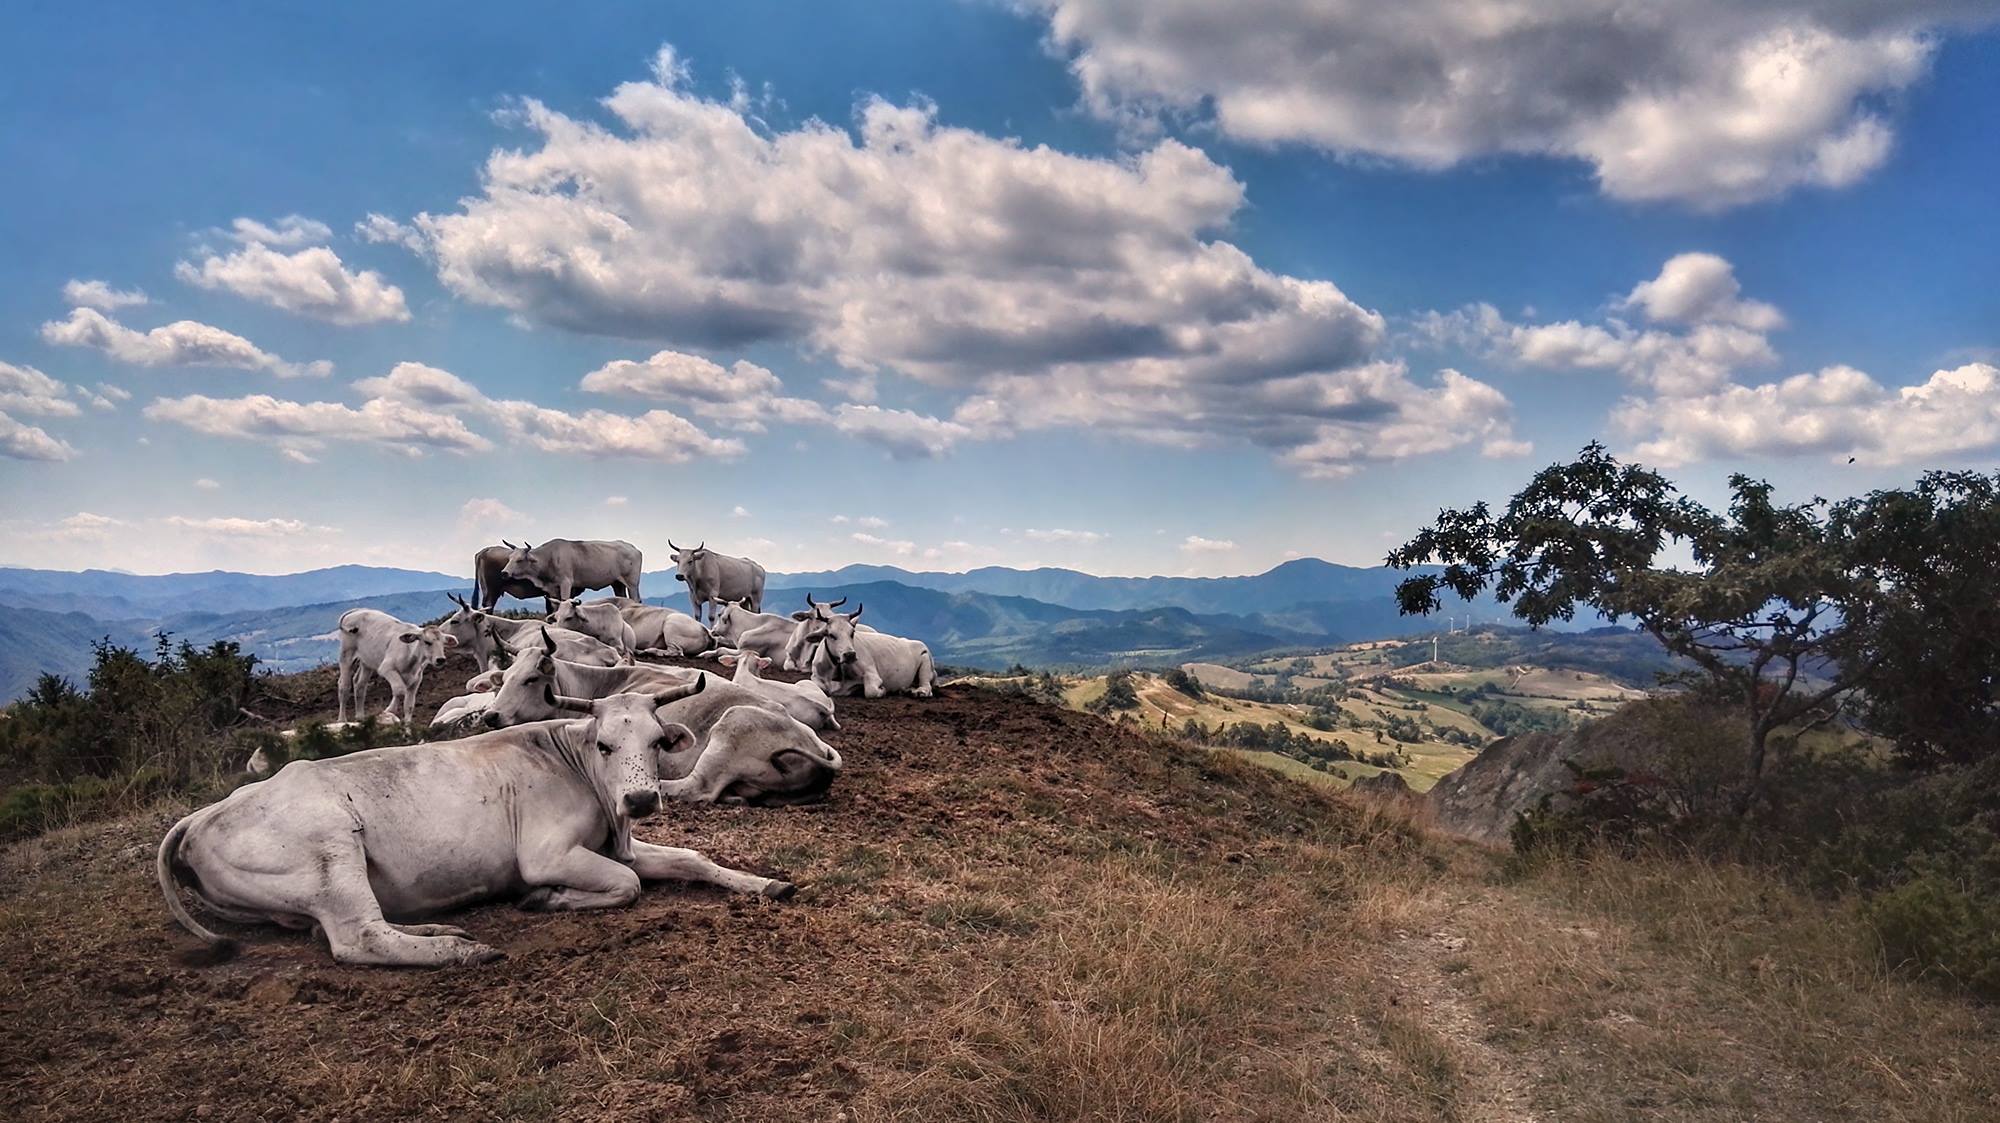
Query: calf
x,y
542,813
398,651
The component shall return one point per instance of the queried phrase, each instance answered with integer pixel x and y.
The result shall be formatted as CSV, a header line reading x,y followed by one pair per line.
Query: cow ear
x,y
676,737
802,616
450,641
408,637
726,660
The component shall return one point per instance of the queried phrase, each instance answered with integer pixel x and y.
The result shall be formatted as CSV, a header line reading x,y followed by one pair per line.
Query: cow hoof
x,y
780,890
537,900
473,954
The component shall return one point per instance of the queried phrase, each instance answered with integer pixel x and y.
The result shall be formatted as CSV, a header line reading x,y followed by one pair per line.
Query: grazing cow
x,y
489,583
803,700
600,621
711,576
776,759
398,651
846,660
542,813
562,568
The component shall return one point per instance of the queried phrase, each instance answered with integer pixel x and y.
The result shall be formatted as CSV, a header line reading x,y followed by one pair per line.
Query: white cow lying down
x,y
543,812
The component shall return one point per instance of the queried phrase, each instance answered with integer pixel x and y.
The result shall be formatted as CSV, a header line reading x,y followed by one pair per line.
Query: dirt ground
x,y
1007,911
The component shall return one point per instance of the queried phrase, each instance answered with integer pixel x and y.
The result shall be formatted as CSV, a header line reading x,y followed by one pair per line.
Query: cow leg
x,y
663,863
431,930
344,686
351,917
926,676
871,682
398,692
577,879
361,681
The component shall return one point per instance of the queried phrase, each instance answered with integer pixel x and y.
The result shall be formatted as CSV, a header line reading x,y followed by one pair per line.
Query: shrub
x,y
1119,694
1603,808
1185,683
1935,926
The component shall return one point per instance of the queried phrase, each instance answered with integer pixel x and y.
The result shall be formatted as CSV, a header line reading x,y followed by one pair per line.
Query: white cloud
x,y
310,282
742,396
1708,332
1059,534
291,230
1196,544
1054,289
1834,413
114,393
234,527
896,546
906,435
615,501
654,435
422,385
101,296
206,484
739,512
1708,102
299,456
296,426
27,390
181,343
380,229
477,514
21,441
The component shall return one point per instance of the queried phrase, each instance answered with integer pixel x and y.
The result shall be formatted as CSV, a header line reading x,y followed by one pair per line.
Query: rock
x,y
1382,785
259,763
1481,799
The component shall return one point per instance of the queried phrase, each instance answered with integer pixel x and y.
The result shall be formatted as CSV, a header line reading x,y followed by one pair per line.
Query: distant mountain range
x,y
989,617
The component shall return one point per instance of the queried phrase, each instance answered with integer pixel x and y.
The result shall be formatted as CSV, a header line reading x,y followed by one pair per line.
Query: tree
x,y
1773,615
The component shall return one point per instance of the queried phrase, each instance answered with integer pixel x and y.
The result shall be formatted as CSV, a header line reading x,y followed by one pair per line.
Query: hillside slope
x,y
116,596
1007,912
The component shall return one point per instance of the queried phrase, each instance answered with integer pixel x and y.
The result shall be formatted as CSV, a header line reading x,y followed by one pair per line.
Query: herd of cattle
x,y
580,740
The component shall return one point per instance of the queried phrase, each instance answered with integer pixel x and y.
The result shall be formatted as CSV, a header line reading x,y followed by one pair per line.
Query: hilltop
x,y
1008,911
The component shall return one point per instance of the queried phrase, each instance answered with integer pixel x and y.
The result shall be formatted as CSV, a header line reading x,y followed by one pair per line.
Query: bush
x,y
1119,694
1603,808
1934,926
1185,683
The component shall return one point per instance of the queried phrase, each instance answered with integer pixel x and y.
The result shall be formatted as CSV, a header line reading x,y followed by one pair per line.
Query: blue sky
x,y
1093,283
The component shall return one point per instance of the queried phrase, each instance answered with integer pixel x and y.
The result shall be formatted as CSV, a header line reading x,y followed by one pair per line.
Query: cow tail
x,y
219,947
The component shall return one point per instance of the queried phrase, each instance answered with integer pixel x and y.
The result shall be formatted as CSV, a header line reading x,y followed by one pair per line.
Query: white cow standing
x,y
541,811
846,660
711,576
397,650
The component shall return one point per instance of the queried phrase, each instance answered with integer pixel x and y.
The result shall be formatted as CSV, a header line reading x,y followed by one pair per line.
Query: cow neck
x,y
565,740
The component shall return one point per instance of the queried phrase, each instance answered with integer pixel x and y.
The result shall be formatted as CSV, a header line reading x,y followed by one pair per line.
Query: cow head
x,y
433,643
522,564
832,632
687,562
767,757
568,613
618,751
725,621
465,624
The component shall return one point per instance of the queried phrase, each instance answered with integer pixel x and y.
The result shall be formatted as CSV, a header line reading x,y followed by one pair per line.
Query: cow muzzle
x,y
641,804
492,720
678,577
847,658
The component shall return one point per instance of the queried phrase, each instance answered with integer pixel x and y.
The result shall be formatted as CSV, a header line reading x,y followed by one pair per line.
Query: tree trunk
x,y
1760,734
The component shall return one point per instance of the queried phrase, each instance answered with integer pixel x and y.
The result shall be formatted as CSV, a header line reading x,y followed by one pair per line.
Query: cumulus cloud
x,y
298,426
615,501
1704,332
742,396
181,343
896,546
1834,413
424,385
1050,288
477,513
291,230
1196,544
310,282
26,390
1707,102
206,484
235,527
101,296
21,441
1059,534
380,229
654,435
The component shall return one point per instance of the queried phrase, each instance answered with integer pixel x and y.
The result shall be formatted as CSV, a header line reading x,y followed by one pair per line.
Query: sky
x,y
1128,286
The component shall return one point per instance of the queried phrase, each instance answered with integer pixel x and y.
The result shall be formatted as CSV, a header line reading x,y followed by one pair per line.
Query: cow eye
x,y
604,748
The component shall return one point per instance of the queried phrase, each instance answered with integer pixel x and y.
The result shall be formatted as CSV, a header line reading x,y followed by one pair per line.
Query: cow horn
x,y
564,701
456,599
858,610
671,546
676,693
838,603
810,602
548,641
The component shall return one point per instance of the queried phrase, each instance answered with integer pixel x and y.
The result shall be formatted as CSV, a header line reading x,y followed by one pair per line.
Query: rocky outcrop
x,y
1383,785
1481,799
